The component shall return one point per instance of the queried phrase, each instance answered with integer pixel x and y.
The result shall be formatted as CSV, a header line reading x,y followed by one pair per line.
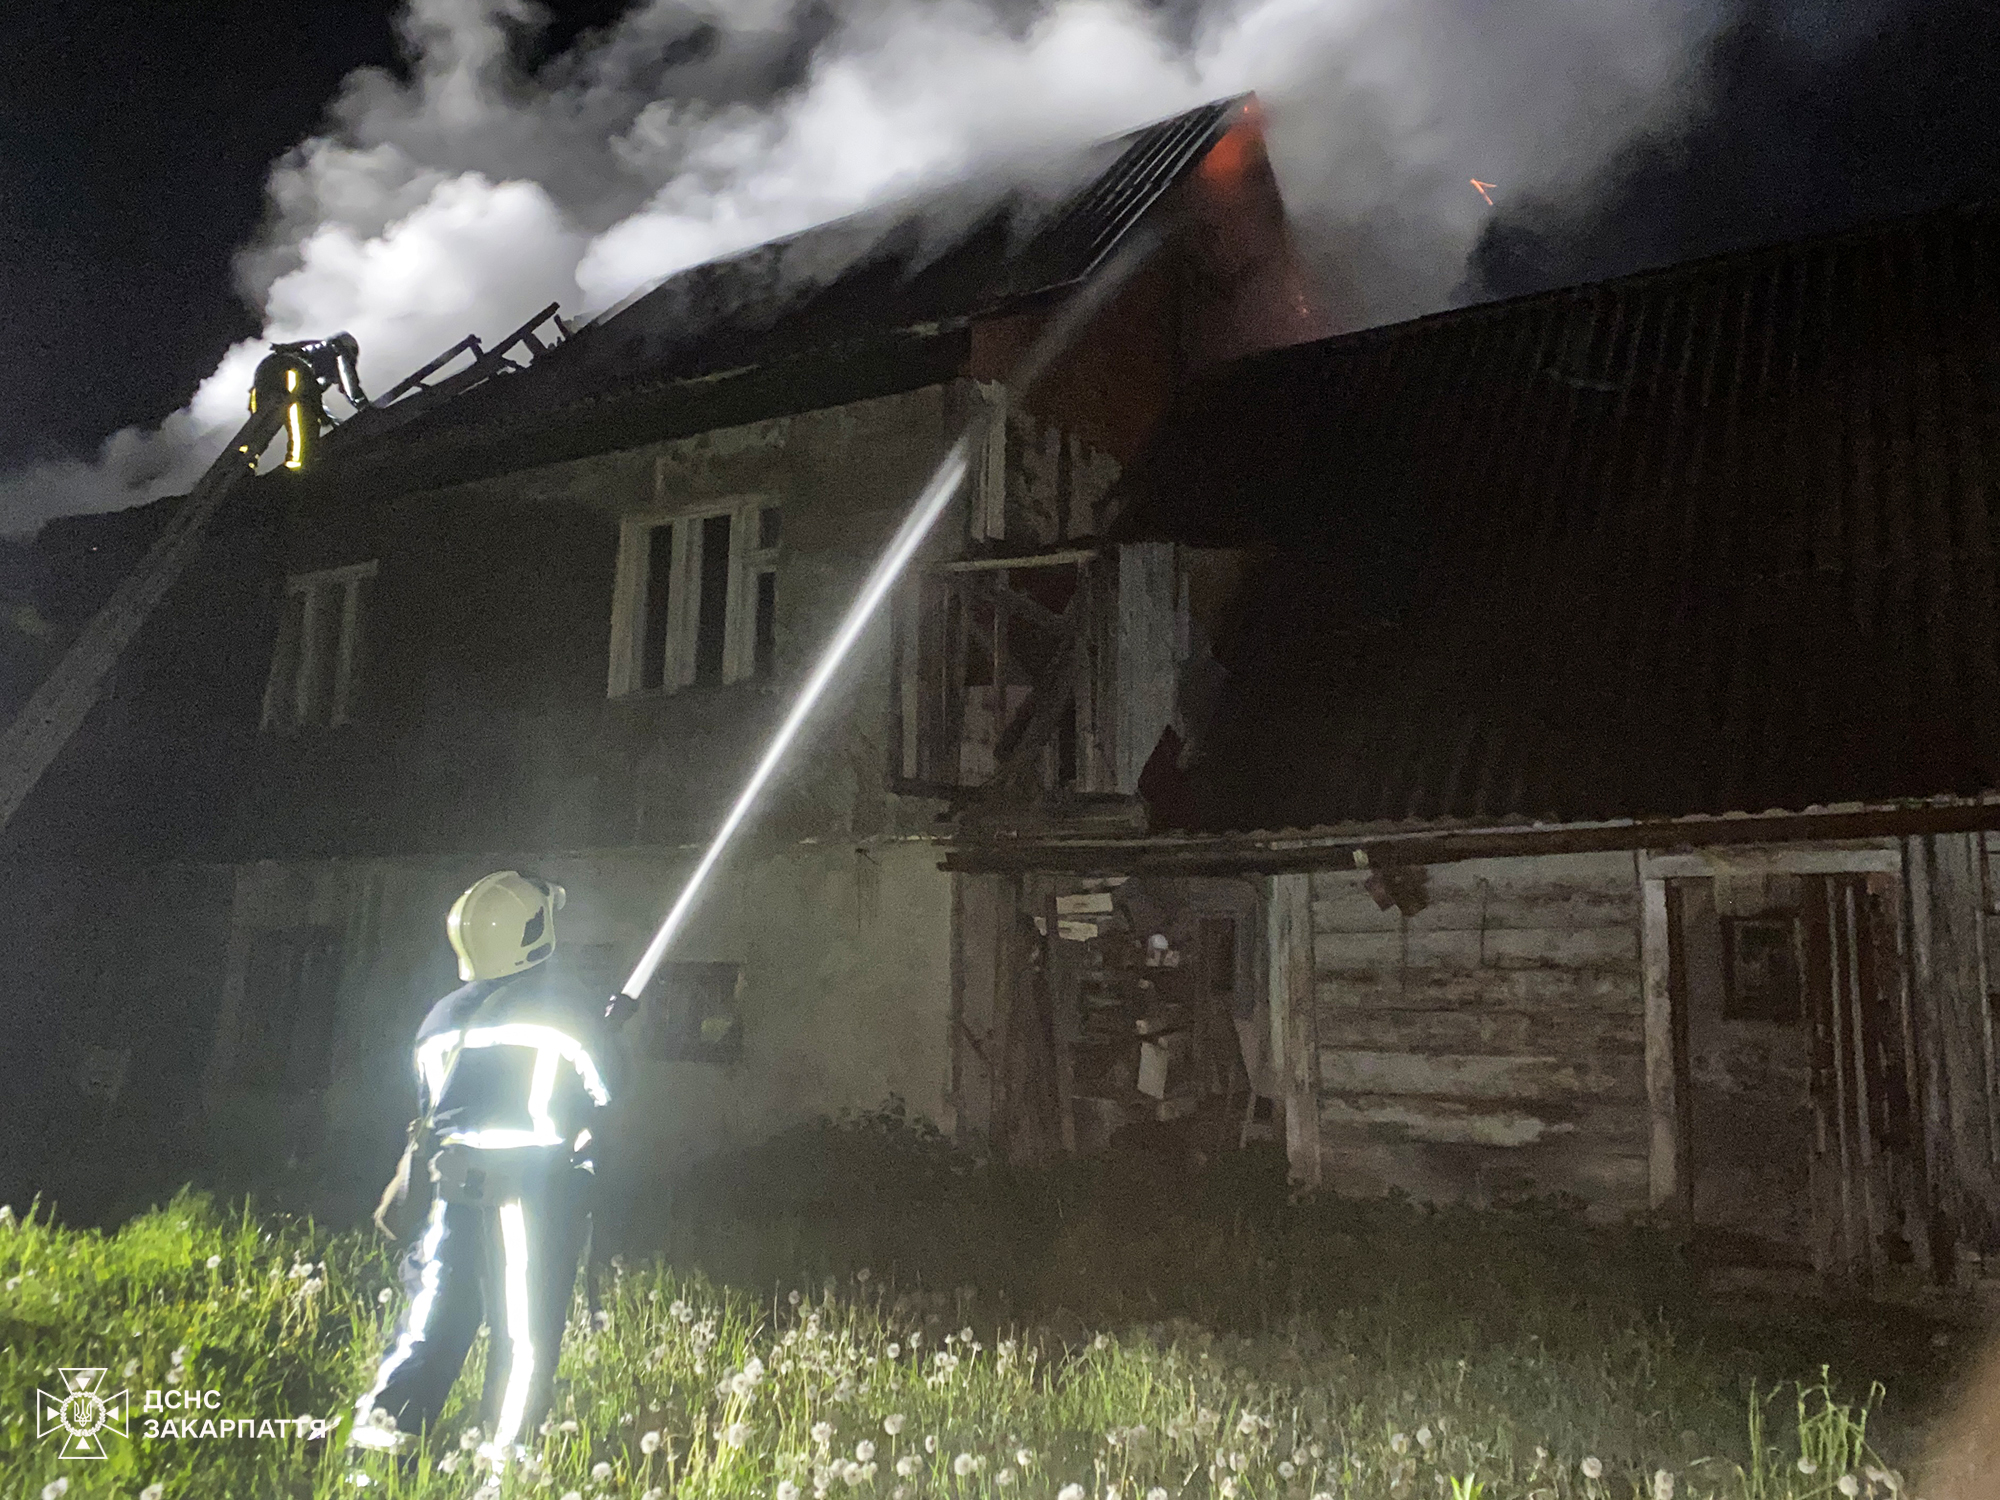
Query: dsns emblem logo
x,y
81,1414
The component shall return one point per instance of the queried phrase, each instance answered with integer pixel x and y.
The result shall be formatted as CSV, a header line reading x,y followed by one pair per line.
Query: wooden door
x,y
1867,1166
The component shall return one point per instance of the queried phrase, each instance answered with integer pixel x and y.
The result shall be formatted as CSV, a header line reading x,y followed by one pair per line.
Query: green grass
x,y
925,1324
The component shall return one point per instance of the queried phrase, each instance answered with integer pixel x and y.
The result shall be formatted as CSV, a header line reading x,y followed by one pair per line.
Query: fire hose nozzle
x,y
618,1010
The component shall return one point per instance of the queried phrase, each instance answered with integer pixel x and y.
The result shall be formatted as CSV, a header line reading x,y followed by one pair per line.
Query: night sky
x,y
135,140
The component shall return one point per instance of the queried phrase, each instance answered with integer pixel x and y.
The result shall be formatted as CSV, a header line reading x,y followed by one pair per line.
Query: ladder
x,y
62,702
55,712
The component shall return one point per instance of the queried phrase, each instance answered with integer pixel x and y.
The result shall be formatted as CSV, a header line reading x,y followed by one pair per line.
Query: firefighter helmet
x,y
504,923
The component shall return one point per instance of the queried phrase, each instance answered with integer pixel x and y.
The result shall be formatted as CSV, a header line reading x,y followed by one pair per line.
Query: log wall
x,y
1490,1043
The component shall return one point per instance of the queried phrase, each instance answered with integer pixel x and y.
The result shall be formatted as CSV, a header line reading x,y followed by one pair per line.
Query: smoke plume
x,y
466,194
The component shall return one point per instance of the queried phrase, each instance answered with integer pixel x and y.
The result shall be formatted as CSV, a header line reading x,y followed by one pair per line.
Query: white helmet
x,y
504,923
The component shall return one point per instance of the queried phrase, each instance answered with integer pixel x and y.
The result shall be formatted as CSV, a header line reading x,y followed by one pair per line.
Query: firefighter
x,y
296,375
511,1078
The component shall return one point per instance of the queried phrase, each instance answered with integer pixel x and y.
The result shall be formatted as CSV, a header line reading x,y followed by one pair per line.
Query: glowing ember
x,y
1483,186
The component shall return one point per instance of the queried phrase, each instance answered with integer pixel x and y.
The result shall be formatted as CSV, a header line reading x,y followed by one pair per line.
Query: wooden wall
x,y
1485,1039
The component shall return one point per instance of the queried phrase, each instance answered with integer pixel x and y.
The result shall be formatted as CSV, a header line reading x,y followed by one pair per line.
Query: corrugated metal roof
x,y
969,250
1707,539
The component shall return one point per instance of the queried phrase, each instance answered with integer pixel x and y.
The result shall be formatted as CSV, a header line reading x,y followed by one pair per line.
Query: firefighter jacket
x,y
533,1060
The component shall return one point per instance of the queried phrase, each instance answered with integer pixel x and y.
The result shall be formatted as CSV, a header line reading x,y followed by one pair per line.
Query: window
x,y
318,656
1760,970
284,1036
697,599
692,1013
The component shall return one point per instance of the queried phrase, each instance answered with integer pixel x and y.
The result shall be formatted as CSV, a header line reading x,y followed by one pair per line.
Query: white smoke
x,y
466,196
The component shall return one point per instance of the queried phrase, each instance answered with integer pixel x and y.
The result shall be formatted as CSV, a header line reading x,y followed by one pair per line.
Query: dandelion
x,y
153,1491
916,1337
1593,1467
600,1472
567,1424
930,1443
1663,1485
1070,1492
908,1466
649,1443
1025,1457
1101,1342
864,1450
1004,1479
1807,1466
6,1216
1848,1485
572,1495
962,1466
383,1297
1425,1437
310,1285
786,1489
862,1275
893,1423
131,1369
448,1464
179,1357
1286,1468
602,1319
1157,1492
1399,1444
213,1261
894,1349
1246,1425
55,1489
822,1433
736,1434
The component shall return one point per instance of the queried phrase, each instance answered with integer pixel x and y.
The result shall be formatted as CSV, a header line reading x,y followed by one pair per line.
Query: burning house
x,y
1546,748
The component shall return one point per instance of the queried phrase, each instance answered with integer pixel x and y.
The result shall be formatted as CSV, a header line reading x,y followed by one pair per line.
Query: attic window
x,y
315,666
697,599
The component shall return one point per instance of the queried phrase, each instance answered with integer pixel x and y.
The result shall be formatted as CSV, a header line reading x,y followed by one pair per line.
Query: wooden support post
x,y
1065,1007
1294,1034
1665,1168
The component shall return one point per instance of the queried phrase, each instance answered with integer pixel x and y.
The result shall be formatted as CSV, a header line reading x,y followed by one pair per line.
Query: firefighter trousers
x,y
513,1266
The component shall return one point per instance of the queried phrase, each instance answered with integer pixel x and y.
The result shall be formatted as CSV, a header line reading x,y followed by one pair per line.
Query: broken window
x,y
284,1036
697,599
1760,970
990,664
692,1013
316,665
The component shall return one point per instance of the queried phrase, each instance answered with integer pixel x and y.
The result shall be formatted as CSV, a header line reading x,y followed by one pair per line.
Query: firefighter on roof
x,y
511,1085
297,375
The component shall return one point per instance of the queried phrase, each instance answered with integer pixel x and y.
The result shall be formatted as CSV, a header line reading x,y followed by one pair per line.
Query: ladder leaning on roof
x,y
62,702
58,707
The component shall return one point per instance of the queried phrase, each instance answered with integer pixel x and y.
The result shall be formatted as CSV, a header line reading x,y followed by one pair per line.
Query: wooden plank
x,y
1553,891
1471,1076
1484,1032
1618,1125
1143,647
1361,954
1485,989
1664,1144
1610,1181
1785,860
1294,1049
1959,1017
1064,966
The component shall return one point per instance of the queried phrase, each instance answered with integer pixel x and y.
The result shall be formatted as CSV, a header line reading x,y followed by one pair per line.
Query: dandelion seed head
x,y
1425,1437
1399,1443
1286,1468
962,1466
786,1489
1070,1492
893,1423
864,1450
649,1443
1807,1466
1848,1485
600,1472
822,1433
1663,1485
1593,1467
213,1261
907,1466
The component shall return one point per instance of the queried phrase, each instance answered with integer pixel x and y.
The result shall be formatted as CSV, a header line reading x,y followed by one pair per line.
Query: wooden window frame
x,y
748,563
297,660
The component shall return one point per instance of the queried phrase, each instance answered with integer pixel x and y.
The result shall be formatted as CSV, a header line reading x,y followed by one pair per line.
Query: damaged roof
x,y
1715,538
816,318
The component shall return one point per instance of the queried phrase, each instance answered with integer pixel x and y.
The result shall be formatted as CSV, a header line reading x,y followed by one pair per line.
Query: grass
x,y
858,1310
